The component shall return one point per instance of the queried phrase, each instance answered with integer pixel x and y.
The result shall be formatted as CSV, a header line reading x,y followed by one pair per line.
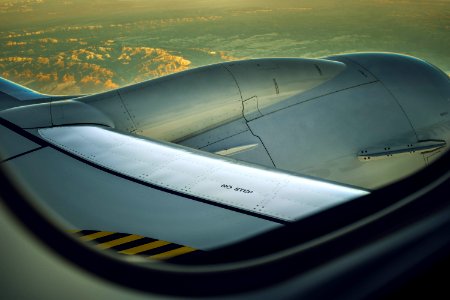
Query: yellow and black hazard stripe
x,y
132,244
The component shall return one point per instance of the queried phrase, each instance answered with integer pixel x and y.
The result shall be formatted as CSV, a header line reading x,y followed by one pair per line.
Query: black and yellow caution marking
x,y
132,244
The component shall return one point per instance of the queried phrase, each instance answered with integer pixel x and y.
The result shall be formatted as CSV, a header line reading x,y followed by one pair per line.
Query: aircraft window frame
x,y
264,259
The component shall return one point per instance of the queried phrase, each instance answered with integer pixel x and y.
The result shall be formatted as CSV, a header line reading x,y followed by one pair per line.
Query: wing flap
x,y
187,171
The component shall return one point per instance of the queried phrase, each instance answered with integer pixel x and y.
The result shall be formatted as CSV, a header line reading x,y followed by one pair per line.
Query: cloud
x,y
23,75
68,78
13,43
60,60
225,56
43,60
124,57
110,85
86,54
90,69
104,49
90,79
17,59
155,61
25,33
74,57
44,77
48,40
87,27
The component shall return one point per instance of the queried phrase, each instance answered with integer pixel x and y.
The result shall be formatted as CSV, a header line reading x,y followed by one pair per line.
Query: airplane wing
x,y
199,176
97,178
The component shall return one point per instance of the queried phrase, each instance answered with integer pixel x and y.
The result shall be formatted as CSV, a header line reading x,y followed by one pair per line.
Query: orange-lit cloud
x,y
97,69
86,54
68,78
12,43
88,69
104,49
124,57
48,40
24,75
110,85
90,79
87,27
44,77
225,56
17,59
60,60
14,35
74,57
43,60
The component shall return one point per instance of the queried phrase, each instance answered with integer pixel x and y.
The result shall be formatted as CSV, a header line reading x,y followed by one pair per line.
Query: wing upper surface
x,y
182,170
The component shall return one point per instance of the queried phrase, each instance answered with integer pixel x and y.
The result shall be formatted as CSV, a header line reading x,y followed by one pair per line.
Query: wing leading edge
x,y
201,175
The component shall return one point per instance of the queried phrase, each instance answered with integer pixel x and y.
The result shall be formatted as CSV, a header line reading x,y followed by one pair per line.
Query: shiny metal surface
x,y
260,191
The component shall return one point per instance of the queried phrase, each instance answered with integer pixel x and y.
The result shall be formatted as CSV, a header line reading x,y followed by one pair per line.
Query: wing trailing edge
x,y
220,180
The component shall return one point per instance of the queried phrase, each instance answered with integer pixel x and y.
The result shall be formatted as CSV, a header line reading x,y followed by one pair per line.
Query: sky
x,y
87,46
